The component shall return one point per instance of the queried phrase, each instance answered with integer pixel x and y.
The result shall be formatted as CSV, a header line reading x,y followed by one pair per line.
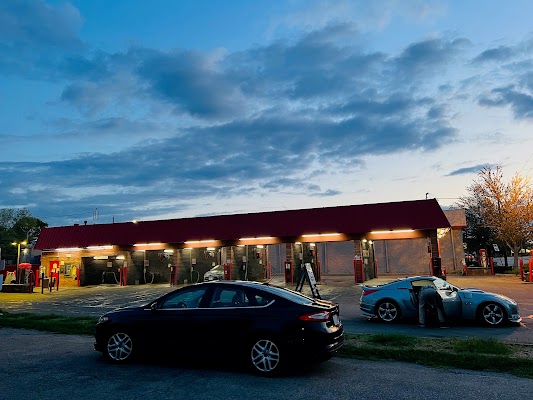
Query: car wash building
x,y
363,241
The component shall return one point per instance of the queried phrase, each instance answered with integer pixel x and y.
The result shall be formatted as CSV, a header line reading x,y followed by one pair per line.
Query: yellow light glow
x,y
100,258
120,257
392,231
147,244
258,238
321,234
63,249
199,241
168,251
105,247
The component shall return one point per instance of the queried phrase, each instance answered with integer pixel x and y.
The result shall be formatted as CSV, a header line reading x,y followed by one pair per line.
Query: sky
x,y
113,111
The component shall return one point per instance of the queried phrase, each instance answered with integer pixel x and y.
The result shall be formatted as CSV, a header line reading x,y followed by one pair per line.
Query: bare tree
x,y
506,207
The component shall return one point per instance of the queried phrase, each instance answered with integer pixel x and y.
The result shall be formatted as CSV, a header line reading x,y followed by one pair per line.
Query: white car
x,y
214,274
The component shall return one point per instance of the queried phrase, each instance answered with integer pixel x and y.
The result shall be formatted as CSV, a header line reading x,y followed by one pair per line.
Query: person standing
x,y
428,296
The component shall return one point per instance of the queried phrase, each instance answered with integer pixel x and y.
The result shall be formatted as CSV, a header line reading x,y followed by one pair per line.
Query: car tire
x,y
265,356
387,311
492,314
119,348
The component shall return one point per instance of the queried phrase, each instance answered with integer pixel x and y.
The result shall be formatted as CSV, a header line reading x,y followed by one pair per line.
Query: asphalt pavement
x,y
40,365
96,300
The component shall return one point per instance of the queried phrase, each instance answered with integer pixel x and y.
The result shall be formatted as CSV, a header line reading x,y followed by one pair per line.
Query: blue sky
x,y
168,109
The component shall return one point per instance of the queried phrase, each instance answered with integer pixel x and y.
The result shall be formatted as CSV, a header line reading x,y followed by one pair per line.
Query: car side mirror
x,y
153,306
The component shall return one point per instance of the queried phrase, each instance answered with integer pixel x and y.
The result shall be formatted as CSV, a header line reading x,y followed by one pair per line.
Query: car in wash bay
x,y
399,299
214,274
267,326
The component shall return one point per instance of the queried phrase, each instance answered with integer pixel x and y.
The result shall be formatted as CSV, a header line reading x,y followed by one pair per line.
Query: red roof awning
x,y
350,220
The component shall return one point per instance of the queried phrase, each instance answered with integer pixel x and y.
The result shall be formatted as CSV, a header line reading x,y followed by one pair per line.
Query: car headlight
x,y
102,319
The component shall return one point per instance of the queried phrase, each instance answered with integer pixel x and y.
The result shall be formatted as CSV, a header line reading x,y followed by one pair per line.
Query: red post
x,y
491,266
227,271
358,270
78,274
289,272
531,270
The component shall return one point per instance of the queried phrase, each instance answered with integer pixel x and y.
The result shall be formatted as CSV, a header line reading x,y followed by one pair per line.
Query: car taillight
x,y
368,291
321,316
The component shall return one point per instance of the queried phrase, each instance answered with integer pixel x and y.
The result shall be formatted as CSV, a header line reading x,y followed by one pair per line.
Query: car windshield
x,y
288,294
441,284
216,268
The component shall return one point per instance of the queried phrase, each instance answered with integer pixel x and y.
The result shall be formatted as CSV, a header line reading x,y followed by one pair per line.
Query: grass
x,y
49,323
471,353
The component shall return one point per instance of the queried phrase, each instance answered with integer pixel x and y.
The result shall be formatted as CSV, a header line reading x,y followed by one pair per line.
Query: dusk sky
x,y
162,109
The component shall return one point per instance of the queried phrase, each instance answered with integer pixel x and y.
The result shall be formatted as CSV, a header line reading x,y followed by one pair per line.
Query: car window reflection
x,y
223,297
183,299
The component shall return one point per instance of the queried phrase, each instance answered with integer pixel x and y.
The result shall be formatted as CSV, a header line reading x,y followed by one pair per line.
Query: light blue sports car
x,y
399,299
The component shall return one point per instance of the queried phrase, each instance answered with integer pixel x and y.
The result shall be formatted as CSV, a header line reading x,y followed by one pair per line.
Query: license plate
x,y
336,320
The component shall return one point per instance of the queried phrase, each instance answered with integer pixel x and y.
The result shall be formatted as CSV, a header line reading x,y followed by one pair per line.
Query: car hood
x,y
129,309
475,291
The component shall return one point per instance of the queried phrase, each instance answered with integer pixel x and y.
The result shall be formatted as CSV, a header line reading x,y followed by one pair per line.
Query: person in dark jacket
x,y
428,296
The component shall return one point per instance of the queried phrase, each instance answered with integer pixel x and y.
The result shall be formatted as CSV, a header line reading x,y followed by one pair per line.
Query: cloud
x,y
428,57
470,170
498,54
33,34
520,101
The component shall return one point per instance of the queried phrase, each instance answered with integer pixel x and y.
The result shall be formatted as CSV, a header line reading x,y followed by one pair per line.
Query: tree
x,y
504,208
17,225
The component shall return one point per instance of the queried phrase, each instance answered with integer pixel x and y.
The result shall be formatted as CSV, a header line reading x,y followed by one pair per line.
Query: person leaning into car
x,y
428,296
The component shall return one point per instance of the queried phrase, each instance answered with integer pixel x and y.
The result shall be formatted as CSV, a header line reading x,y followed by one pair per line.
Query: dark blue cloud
x,y
498,54
34,35
470,170
428,57
520,101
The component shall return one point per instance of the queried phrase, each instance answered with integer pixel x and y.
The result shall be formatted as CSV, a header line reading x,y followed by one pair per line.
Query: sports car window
x,y
441,284
188,298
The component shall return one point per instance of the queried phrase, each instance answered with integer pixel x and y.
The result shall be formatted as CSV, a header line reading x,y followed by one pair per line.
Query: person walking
x,y
428,296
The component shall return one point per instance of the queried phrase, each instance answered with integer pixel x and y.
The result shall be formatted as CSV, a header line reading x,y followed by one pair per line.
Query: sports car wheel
x,y
387,311
119,348
265,356
493,314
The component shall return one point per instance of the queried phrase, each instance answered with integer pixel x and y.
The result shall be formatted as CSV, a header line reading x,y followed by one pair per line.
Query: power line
x,y
529,158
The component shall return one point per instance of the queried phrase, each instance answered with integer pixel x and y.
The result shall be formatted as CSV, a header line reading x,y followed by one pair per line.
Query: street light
x,y
18,256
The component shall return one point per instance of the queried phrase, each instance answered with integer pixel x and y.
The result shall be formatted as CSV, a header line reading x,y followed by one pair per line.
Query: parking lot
x,y
96,300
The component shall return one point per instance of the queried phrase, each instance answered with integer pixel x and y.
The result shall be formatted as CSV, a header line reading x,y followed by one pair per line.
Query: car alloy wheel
x,y
119,347
387,311
265,356
493,314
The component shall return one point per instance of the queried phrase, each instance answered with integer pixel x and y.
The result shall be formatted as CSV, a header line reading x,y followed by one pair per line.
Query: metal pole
x,y
18,262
